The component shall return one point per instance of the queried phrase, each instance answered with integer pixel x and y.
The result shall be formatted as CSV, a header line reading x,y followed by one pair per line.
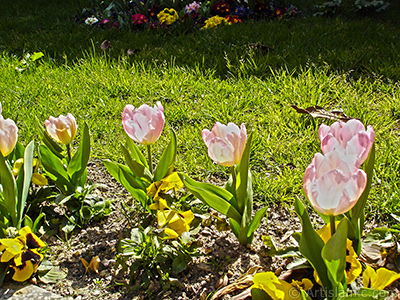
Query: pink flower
x,y
139,19
333,183
62,129
144,124
8,135
225,143
350,137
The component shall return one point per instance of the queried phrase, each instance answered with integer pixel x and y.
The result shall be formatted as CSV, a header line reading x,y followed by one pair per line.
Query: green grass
x,y
209,76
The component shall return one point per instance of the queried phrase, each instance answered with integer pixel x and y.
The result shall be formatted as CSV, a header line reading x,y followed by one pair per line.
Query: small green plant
x,y
154,258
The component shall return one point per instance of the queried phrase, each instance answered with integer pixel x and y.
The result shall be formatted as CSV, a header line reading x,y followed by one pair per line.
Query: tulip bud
x,y
350,137
225,143
8,135
333,183
144,124
62,129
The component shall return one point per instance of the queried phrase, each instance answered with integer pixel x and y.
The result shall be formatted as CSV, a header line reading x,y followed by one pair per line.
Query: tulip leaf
x,y
166,164
311,245
259,294
78,164
136,153
3,271
55,169
334,253
136,167
10,191
357,213
125,177
24,181
255,223
235,227
243,173
214,196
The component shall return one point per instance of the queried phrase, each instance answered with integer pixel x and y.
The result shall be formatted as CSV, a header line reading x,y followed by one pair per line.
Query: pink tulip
x,y
62,129
333,183
351,137
225,143
8,135
144,124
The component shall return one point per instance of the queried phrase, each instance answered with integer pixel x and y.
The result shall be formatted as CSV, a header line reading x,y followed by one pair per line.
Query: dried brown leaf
x,y
319,112
243,282
93,266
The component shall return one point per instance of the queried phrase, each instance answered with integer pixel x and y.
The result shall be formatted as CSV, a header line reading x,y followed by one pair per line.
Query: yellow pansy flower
x,y
175,222
171,182
305,284
21,253
37,178
276,288
378,279
214,22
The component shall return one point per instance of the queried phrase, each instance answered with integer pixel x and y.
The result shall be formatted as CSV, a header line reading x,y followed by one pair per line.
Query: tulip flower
x,y
225,143
8,135
62,129
350,137
333,183
144,124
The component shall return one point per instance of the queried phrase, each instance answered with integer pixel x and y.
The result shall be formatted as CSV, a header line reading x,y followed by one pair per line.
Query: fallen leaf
x,y
223,281
319,112
93,266
243,282
106,44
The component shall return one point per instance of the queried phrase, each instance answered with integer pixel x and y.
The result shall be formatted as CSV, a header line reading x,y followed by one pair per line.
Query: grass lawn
x,y
351,64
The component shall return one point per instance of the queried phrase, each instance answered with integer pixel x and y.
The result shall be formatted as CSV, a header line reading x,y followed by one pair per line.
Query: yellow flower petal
x,y
13,247
24,271
379,279
39,179
171,234
17,166
305,284
277,289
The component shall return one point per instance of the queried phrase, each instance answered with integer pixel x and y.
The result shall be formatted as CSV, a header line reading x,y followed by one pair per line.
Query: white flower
x,y
91,20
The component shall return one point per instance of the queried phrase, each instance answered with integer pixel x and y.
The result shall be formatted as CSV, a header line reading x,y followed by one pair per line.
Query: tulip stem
x,y
150,161
69,152
234,179
332,221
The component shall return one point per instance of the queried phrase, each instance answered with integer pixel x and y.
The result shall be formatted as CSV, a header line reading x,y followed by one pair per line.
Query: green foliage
x,y
137,176
154,258
14,191
336,7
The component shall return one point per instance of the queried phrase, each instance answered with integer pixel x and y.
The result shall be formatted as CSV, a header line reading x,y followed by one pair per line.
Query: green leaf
x,y
376,294
53,276
10,191
255,223
55,168
28,221
357,213
137,167
125,177
166,164
268,241
214,196
334,254
78,164
136,153
27,176
258,294
242,183
37,221
311,245
36,56
235,227
3,272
